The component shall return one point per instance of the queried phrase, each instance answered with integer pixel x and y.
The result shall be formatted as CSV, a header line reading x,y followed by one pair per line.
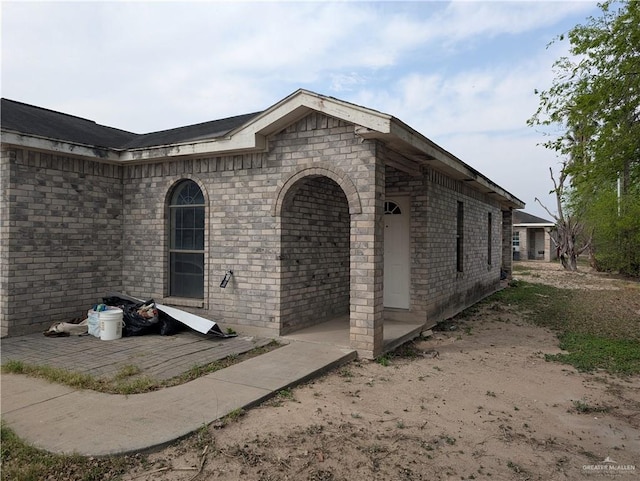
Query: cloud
x,y
515,162
466,19
462,73
496,98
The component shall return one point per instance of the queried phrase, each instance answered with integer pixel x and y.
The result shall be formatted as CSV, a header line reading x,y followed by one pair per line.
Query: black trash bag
x,y
140,318
168,325
115,301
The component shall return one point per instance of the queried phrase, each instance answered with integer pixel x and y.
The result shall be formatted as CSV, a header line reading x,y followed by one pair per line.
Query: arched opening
x,y
315,243
186,240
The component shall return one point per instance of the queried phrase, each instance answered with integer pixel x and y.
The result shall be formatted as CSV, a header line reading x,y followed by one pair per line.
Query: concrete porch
x,y
400,326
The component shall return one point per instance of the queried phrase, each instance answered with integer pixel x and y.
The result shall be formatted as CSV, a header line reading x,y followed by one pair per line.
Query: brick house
x,y
321,208
533,238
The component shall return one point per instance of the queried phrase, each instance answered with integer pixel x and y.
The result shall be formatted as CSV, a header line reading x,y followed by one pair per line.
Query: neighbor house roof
x,y
406,149
520,217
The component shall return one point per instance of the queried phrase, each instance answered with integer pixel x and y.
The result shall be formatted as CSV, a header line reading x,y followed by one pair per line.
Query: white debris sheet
x,y
197,323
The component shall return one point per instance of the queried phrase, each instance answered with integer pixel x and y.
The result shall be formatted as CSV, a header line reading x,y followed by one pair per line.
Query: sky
x,y
462,73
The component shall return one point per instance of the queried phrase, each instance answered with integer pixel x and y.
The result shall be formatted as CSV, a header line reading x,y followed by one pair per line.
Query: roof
x,y
41,122
405,148
205,130
28,119
521,217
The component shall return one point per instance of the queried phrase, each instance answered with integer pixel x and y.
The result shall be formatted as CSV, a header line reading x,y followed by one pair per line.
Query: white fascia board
x,y
222,145
431,149
64,148
540,225
304,101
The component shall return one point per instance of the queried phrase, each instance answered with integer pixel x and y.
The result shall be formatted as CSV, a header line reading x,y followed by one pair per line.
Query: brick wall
x,y
7,157
438,291
240,235
450,291
242,232
315,255
63,240
507,242
524,242
301,226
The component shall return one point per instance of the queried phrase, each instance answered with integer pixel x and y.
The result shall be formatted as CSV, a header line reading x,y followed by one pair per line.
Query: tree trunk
x,y
567,227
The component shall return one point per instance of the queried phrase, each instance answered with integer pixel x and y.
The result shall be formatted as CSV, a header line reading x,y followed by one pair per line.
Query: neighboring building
x,y
321,208
532,238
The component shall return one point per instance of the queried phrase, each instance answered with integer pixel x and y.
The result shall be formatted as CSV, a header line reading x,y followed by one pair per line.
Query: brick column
x,y
367,264
507,239
7,157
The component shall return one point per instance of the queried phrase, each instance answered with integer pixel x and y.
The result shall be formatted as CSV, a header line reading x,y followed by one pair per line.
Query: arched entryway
x,y
315,253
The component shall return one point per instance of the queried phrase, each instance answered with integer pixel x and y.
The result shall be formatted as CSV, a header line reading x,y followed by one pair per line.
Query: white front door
x,y
396,253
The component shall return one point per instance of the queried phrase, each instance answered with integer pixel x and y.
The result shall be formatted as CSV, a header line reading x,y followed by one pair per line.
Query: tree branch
x,y
545,208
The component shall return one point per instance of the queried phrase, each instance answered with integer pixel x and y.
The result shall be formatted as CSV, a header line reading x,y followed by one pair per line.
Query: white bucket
x,y
111,324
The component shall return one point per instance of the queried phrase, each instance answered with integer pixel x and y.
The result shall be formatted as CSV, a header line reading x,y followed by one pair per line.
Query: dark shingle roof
x,y
205,130
521,217
28,119
32,120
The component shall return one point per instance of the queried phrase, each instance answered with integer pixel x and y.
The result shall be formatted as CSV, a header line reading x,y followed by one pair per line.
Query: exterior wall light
x,y
226,278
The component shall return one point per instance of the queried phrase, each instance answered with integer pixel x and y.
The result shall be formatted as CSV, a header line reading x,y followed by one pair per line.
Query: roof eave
x,y
420,149
227,145
46,144
539,225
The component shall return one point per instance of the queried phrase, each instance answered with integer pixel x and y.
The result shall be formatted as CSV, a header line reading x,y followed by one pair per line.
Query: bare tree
x,y
570,241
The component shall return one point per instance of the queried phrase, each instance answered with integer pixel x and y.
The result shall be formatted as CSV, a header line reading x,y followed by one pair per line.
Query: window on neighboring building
x,y
489,238
460,238
515,245
515,241
186,241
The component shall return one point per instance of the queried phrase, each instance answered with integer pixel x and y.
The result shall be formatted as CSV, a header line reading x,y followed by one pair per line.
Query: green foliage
x,y
21,461
600,313
617,237
384,360
543,304
233,416
594,100
588,353
597,328
285,394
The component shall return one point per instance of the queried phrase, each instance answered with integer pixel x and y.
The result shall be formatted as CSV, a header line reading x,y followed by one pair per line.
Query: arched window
x,y
391,208
186,241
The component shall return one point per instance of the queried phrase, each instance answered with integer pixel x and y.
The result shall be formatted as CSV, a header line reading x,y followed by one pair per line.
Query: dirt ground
x,y
475,401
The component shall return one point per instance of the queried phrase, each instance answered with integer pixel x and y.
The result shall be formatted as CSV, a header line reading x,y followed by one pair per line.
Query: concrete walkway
x,y
66,420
